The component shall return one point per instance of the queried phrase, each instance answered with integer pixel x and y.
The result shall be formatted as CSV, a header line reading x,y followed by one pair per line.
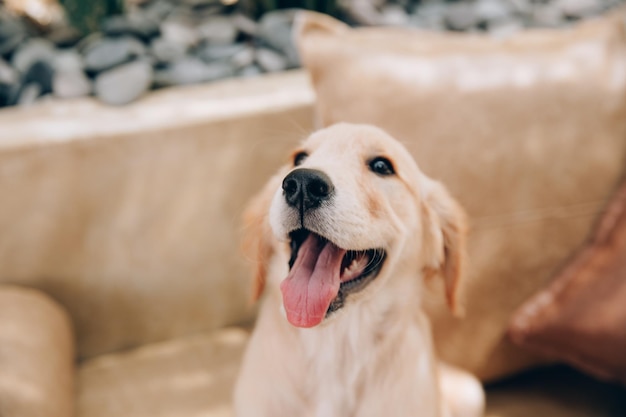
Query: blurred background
x,y
117,50
134,133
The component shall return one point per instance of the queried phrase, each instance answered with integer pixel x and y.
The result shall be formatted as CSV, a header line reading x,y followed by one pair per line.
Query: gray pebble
x,y
192,70
159,9
547,16
460,17
68,60
492,10
504,28
577,9
218,30
64,36
70,84
41,73
275,29
8,75
423,24
197,3
431,10
245,25
520,7
394,15
8,45
270,61
123,84
429,16
89,41
33,50
11,27
243,58
7,94
180,32
29,94
166,51
219,52
250,71
110,52
365,12
135,24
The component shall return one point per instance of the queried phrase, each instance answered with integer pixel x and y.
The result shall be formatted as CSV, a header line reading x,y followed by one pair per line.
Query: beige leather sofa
x,y
122,289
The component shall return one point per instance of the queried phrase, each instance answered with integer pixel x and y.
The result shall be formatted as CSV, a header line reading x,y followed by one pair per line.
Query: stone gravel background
x,y
162,43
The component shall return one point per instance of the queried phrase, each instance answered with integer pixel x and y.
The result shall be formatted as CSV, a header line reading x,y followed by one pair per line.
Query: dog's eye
x,y
381,166
299,158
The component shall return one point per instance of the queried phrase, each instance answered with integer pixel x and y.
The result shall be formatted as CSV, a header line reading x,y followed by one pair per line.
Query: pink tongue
x,y
313,282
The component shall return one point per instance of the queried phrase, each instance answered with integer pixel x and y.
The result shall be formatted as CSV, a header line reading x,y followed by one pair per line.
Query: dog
x,y
343,237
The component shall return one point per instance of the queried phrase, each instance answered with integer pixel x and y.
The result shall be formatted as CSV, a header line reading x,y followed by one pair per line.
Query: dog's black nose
x,y
305,189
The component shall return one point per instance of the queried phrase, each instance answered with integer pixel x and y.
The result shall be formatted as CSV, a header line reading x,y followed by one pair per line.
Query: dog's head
x,y
354,212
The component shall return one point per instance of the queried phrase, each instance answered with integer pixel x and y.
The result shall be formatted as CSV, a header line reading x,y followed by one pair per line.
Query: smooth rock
x,y
136,24
203,12
547,16
250,71
110,52
423,24
521,7
431,9
70,84
123,84
243,58
158,10
9,45
270,61
41,73
218,30
200,3
460,17
64,36
179,32
10,27
192,70
219,52
492,10
7,94
68,60
275,29
394,15
364,12
8,75
86,43
29,94
501,29
33,50
245,25
166,51
429,15
578,9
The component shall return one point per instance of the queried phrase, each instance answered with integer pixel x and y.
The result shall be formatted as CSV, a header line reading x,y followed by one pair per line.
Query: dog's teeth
x,y
357,264
352,265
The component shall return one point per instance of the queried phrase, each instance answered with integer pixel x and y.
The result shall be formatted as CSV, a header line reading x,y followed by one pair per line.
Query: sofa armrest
x,y
36,356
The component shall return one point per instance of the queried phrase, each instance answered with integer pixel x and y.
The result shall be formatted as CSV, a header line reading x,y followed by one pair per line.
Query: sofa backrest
x,y
130,217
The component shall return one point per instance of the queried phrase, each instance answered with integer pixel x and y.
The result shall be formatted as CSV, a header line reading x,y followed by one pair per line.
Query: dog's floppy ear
x,y
258,245
444,238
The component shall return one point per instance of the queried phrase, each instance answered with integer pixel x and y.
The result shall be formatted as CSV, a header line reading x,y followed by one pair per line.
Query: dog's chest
x,y
342,361
336,371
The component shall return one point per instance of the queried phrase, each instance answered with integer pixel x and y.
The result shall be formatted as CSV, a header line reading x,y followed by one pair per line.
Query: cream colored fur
x,y
374,357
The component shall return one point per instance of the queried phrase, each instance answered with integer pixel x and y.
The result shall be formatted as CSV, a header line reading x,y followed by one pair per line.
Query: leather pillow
x,y
527,132
581,317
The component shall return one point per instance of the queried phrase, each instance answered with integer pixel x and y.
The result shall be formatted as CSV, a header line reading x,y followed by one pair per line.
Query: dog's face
x,y
355,211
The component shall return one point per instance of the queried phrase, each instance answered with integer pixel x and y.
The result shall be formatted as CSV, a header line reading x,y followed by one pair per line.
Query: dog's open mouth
x,y
322,275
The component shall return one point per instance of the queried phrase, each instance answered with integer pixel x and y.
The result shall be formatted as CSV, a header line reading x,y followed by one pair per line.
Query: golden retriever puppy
x,y
343,238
